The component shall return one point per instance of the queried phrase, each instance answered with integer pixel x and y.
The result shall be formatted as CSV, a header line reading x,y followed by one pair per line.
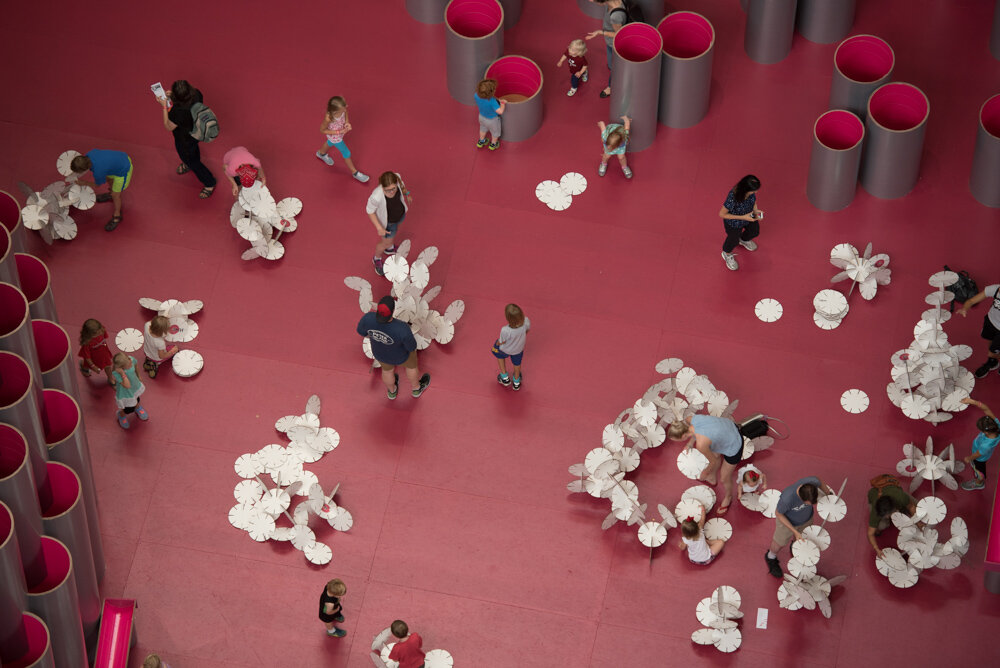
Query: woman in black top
x,y
741,219
179,121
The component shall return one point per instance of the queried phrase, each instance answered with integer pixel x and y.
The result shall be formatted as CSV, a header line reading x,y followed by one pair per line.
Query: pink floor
x,y
463,526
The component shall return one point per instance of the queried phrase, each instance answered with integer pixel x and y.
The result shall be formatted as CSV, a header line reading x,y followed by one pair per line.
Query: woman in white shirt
x,y
387,207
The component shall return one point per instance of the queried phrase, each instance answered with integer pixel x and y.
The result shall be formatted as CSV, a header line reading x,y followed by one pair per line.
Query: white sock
x,y
771,555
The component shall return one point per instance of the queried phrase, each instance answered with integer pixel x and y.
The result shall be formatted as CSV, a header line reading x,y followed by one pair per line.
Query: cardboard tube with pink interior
x,y
56,361
36,284
511,12
635,81
861,64
30,646
897,121
16,334
426,11
19,492
836,156
769,31
65,518
8,266
519,84
67,441
995,35
473,39
21,407
984,181
13,597
824,21
591,9
52,596
10,219
686,70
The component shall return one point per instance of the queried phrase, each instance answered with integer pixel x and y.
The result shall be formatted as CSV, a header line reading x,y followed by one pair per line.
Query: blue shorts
x,y
501,355
340,146
392,228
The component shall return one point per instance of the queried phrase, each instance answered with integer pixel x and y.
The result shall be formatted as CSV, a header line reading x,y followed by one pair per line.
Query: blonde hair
x,y
616,138
579,46
159,325
152,661
336,587
335,104
486,88
514,315
677,430
121,359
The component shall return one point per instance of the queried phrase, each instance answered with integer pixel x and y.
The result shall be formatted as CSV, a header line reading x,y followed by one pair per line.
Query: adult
x,y
615,16
885,497
741,219
393,345
243,168
720,441
991,327
794,513
386,208
178,120
113,168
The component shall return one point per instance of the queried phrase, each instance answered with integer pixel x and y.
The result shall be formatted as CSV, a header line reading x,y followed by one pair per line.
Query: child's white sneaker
x,y
361,176
571,92
325,158
584,76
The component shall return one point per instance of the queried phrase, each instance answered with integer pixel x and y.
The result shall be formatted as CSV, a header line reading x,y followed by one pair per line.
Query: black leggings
x,y
190,155
734,235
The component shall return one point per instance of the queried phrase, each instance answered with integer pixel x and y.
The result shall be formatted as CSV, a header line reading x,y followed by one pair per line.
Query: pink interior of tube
x,y
51,344
10,211
35,636
515,75
6,525
60,416
839,130
474,18
864,58
4,241
13,309
15,379
686,35
64,489
13,450
990,116
55,558
898,106
638,42
33,274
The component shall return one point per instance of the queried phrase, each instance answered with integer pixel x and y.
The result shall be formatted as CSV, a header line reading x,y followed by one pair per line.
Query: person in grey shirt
x,y
794,513
511,344
615,16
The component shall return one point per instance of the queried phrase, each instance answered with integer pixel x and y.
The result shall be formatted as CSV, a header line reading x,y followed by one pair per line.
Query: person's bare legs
x,y
389,378
716,545
117,199
517,371
502,363
382,244
108,372
414,376
726,472
622,161
709,475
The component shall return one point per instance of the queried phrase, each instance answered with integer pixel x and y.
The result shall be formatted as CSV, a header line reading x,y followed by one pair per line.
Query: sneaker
x,y
325,158
603,169
517,383
425,380
361,176
584,77
336,633
627,171
503,379
481,143
339,618
495,145
122,420
104,197
392,395
391,250
987,366
141,412
730,260
975,483
749,245
773,567
571,92
377,261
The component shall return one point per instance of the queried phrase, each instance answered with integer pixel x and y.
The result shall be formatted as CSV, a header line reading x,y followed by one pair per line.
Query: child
x,y
154,661
577,64
490,110
335,126
94,350
386,208
615,140
752,479
330,610
983,445
511,344
128,389
154,345
700,550
407,650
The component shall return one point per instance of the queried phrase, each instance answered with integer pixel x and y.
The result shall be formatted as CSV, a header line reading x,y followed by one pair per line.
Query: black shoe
x,y
104,197
503,380
773,567
425,380
987,366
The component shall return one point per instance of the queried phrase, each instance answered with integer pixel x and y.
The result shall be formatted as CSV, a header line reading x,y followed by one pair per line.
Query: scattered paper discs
x,y
129,340
831,508
933,509
318,553
188,363
438,658
652,534
718,528
691,463
854,401
573,183
545,190
768,310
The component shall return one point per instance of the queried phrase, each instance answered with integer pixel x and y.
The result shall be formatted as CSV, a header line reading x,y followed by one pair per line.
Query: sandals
x,y
723,509
183,169
206,192
113,223
605,93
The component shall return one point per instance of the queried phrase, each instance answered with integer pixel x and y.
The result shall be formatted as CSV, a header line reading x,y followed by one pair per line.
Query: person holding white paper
x,y
178,120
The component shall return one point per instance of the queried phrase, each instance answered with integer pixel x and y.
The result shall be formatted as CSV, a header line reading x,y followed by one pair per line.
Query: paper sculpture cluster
x,y
381,648
409,280
48,211
928,381
259,508
802,586
926,465
642,426
919,546
261,221
558,195
718,614
864,270
185,363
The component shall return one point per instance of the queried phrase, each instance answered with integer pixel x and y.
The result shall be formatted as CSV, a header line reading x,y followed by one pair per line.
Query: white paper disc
x,y
318,553
248,491
800,569
188,363
915,406
239,515
396,268
703,494
832,304
545,190
559,201
818,535
729,640
805,551
943,279
669,365
343,520
628,459
652,534
64,160
854,401
438,658
687,508
260,526
891,560
272,456
573,183
274,502
644,412
704,636
691,463
613,438
82,197
932,508
302,536
904,578
129,340
769,502
249,465
823,323
718,528
768,310
831,508
751,501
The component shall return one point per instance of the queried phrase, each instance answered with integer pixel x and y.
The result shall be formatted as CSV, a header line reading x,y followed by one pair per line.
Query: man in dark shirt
x,y
392,345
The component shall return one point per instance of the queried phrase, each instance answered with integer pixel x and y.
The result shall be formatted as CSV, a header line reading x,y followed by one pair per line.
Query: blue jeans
x,y
610,59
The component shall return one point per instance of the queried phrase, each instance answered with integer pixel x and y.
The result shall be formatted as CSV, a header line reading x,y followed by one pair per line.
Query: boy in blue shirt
x,y
983,445
489,112
111,167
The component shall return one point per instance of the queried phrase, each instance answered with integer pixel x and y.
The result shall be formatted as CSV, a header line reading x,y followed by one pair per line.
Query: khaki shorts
x,y
410,363
783,535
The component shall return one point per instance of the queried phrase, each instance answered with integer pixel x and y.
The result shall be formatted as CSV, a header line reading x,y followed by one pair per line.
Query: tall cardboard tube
x,y
21,407
53,598
10,219
519,83
897,121
770,29
635,81
836,158
36,284
473,39
824,21
19,492
56,362
13,596
426,11
686,69
8,266
31,646
511,12
16,334
984,180
861,65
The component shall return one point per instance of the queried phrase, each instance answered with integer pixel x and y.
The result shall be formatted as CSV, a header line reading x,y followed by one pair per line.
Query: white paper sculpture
x,y
811,592
718,614
260,220
831,308
866,271
185,363
409,288
558,195
381,648
920,547
925,465
48,211
259,508
928,381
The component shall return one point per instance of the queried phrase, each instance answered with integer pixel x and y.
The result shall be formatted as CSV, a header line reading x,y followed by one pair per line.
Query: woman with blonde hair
x,y
720,441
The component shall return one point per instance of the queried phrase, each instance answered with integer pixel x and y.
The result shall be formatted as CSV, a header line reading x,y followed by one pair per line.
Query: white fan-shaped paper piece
x,y
769,502
438,658
454,311
613,438
64,161
573,183
961,352
248,491
644,412
82,197
891,560
704,636
703,494
34,216
844,251
921,560
445,331
959,531
949,561
932,509
652,534
818,535
831,508
718,528
396,268
545,190
420,275
596,457
691,463
854,401
824,323
728,640
669,365
965,380
768,310
806,551
800,569
751,501
129,340
939,298
943,279
260,526
274,502
683,377
318,553
687,508
187,363
289,207
240,514
953,401
356,283
272,456
302,536
628,459
703,611
559,201
915,406
343,521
